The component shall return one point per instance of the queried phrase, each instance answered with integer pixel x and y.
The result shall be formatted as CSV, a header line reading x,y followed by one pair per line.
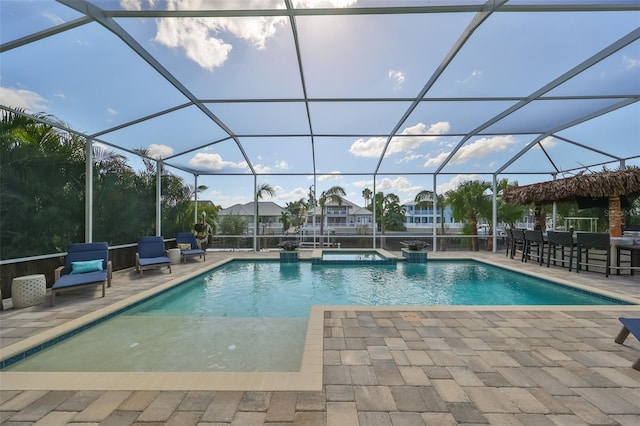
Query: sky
x,y
360,75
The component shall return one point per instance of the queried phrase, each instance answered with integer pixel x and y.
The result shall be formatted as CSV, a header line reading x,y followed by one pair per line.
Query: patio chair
x,y
151,254
594,247
85,264
533,240
629,325
517,241
189,246
509,241
560,241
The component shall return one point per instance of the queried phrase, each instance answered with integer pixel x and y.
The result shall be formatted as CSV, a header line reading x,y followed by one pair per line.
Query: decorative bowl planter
x,y
289,253
415,251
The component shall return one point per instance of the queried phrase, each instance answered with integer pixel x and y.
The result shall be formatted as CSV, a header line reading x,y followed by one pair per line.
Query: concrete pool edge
x,y
309,378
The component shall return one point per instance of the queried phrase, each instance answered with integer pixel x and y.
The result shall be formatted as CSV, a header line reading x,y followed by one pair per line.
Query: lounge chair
x,y
187,238
85,264
629,325
151,254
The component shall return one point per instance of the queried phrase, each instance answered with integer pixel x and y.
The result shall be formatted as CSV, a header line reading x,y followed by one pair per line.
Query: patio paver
x,y
385,367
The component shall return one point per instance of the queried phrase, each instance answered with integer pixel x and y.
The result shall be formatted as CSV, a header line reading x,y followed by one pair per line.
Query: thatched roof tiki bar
x,y
605,185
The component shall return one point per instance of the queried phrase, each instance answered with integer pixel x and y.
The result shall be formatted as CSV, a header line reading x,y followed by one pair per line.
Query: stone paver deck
x,y
413,366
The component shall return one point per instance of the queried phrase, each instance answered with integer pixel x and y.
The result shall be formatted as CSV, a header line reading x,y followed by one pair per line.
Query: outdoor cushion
x,y
80,279
85,263
86,266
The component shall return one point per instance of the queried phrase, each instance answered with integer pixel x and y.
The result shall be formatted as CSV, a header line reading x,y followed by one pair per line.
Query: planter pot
x,y
290,256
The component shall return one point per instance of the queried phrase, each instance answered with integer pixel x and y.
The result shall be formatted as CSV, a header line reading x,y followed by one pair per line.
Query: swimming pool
x,y
252,316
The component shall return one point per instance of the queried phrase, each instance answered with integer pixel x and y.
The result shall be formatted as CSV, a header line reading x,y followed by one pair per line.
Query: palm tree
x,y
469,201
332,195
386,206
366,194
263,190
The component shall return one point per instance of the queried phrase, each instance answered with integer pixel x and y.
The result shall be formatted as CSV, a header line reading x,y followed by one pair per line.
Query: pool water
x,y
252,316
361,256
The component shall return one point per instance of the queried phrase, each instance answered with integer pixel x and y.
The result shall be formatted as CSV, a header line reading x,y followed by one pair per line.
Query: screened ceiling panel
x,y
480,153
515,54
262,118
287,155
22,18
547,115
223,157
169,134
417,154
340,118
226,58
616,75
615,133
195,5
453,117
371,55
334,91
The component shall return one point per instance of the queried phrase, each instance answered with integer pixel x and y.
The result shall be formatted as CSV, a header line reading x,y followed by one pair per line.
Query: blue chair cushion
x,y
151,247
147,261
194,252
71,280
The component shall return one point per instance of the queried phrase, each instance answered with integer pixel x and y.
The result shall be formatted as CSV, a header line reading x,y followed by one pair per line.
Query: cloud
x,y
363,183
23,99
203,39
397,77
473,151
474,75
373,147
630,63
548,142
160,151
398,185
455,181
331,176
112,112
214,162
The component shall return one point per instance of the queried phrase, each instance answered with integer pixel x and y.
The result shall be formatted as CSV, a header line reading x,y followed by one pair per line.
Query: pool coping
x,y
308,378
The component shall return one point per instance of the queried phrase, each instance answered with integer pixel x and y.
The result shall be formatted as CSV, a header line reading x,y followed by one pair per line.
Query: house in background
x,y
343,217
270,216
423,218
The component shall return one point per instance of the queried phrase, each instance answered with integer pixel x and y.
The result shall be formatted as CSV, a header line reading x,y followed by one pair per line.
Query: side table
x,y
28,290
174,255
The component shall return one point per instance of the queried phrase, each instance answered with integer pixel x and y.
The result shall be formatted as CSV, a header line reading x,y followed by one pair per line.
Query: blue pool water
x,y
267,289
360,257
252,316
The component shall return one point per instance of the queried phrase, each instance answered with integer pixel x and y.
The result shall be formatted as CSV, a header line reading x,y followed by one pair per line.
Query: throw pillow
x,y
86,266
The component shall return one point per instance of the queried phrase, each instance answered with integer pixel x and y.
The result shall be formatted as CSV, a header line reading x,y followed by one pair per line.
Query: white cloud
x,y
548,142
474,75
630,63
363,184
397,77
293,195
160,151
373,147
398,185
331,176
214,162
474,150
112,112
455,181
281,165
23,99
203,39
